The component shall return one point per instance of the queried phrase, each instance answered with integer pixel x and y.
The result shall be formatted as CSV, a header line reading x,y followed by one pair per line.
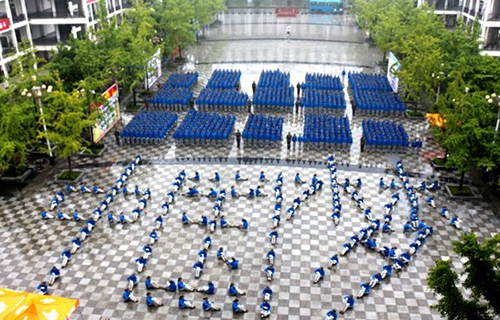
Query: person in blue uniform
x,y
237,307
66,256
232,263
233,290
265,309
209,305
132,281
152,285
141,263
208,289
348,301
129,297
43,288
319,274
331,315
185,304
54,275
152,301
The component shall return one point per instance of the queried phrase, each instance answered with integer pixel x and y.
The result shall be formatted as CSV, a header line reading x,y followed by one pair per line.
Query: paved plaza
x,y
96,275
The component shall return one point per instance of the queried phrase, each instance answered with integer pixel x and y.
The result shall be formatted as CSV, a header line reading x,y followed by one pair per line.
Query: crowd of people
x,y
384,135
372,95
172,98
90,223
325,131
263,130
273,93
222,100
204,128
148,127
224,79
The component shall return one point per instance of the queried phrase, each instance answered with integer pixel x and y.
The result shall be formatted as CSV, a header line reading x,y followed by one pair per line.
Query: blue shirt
x,y
172,286
233,264
43,288
232,291
206,305
236,306
265,306
149,301
211,289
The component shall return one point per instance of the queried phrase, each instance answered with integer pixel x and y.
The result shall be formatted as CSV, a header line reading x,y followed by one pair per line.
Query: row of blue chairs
x,y
274,78
263,130
384,135
224,79
148,127
322,101
221,100
181,80
274,99
204,128
377,103
320,81
324,131
172,98
368,81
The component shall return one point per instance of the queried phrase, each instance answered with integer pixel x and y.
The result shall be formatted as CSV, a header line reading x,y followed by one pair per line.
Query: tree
x,y
205,10
174,20
482,278
134,49
66,117
17,129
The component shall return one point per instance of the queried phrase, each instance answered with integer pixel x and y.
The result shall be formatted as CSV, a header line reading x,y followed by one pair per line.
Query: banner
x,y
4,24
109,113
154,70
91,1
393,67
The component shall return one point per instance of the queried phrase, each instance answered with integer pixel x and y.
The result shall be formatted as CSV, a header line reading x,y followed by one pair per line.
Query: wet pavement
x,y
251,43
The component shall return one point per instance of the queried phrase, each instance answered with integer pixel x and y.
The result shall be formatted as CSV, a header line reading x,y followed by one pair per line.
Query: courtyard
x,y
97,274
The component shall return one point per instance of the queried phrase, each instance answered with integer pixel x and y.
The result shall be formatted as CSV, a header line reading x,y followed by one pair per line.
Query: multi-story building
x,y
44,23
486,11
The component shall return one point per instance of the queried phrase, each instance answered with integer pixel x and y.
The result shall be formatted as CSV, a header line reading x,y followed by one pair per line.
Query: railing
x,y
494,17
48,14
49,40
492,46
19,18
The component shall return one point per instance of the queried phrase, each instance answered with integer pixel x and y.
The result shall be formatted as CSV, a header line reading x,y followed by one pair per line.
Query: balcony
x,y
19,18
48,40
48,14
494,17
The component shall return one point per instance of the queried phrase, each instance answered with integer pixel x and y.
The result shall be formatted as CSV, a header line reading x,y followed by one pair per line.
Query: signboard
x,y
393,67
154,70
91,1
109,113
4,24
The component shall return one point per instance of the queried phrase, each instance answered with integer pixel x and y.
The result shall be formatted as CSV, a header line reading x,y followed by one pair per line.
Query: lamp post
x,y
37,93
492,99
439,76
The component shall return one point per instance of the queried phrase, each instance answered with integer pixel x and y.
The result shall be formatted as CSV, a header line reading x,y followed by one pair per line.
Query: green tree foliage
x,y
482,278
174,20
205,10
67,116
17,129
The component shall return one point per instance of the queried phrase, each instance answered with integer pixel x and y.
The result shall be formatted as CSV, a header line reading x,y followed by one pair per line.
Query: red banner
x,y
91,1
4,24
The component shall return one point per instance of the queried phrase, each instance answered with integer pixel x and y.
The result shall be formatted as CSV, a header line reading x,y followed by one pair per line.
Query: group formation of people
x,y
204,128
222,100
181,80
172,98
148,127
176,93
59,198
319,101
323,131
321,93
224,79
263,129
90,224
384,135
273,93
372,95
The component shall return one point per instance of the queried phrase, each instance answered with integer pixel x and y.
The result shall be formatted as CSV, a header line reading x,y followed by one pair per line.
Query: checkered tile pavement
x,y
96,275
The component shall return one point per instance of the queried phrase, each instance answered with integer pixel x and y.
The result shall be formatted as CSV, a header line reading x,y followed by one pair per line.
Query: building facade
x,y
44,23
486,11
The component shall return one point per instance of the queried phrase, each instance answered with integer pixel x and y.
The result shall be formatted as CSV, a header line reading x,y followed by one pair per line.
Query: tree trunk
x,y
134,97
69,164
445,156
383,58
461,184
180,52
